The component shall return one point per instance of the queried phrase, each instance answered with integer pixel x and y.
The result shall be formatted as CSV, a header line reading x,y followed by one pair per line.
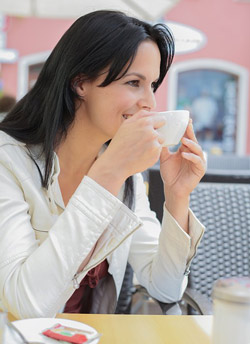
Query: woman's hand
x,y
135,147
181,171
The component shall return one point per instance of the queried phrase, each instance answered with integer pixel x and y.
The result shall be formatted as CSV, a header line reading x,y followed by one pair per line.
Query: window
x,y
34,71
29,68
215,93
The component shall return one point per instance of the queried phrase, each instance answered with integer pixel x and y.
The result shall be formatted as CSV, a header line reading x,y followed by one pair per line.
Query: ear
x,y
78,86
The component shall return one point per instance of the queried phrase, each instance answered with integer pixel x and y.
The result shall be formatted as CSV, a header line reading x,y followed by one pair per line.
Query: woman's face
x,y
105,108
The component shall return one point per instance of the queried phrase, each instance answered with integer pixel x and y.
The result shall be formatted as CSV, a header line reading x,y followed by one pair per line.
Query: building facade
x,y
212,82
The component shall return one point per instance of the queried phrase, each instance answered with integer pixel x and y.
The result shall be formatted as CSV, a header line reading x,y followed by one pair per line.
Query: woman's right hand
x,y
135,147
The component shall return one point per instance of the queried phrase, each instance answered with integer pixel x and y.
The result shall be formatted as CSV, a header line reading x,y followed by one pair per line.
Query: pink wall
x,y
30,36
226,24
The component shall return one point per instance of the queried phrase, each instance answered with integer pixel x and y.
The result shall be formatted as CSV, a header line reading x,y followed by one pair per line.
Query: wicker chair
x,y
224,209
225,249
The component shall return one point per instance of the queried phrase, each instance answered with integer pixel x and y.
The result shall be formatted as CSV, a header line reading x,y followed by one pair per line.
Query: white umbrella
x,y
150,10
186,38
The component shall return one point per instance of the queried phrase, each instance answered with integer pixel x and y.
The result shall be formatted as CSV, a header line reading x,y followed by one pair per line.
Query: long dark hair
x,y
98,40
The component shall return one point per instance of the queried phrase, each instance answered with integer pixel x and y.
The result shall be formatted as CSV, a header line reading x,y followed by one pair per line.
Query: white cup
x,y
175,126
231,310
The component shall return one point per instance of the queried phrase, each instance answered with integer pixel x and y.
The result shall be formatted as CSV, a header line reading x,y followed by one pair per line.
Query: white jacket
x,y
42,242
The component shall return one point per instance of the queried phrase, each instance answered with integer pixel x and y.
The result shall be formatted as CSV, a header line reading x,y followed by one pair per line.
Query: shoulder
x,y
10,149
6,139
14,156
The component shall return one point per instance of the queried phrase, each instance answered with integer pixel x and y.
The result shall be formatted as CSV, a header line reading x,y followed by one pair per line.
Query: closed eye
x,y
133,83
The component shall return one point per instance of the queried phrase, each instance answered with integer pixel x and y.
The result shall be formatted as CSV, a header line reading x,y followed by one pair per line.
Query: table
x,y
148,329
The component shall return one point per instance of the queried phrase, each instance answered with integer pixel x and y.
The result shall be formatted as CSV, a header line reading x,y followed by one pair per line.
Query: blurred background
x,y
209,76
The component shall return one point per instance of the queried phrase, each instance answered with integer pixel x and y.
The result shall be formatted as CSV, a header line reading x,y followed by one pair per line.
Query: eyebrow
x,y
136,74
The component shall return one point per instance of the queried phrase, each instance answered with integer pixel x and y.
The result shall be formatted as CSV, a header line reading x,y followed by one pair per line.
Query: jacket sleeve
x,y
161,255
36,281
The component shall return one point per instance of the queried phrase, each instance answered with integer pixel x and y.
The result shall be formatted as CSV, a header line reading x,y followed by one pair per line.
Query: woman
x,y
66,228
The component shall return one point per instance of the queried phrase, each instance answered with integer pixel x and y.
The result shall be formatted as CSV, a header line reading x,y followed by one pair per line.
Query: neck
x,y
79,150
76,154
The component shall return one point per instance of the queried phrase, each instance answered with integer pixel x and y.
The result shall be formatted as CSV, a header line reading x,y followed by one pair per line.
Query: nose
x,y
147,101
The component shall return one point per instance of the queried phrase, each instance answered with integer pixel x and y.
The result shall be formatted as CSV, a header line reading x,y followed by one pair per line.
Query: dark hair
x,y
98,40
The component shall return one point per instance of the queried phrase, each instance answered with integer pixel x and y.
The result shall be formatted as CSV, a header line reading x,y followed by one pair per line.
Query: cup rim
x,y
186,111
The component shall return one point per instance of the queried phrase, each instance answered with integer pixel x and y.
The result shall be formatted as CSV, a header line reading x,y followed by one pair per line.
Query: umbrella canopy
x,y
187,39
143,9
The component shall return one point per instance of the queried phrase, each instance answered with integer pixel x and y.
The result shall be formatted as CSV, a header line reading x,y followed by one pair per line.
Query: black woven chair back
x,y
224,209
225,248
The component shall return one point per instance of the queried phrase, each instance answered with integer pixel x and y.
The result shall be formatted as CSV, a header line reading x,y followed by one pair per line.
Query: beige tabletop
x,y
148,329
